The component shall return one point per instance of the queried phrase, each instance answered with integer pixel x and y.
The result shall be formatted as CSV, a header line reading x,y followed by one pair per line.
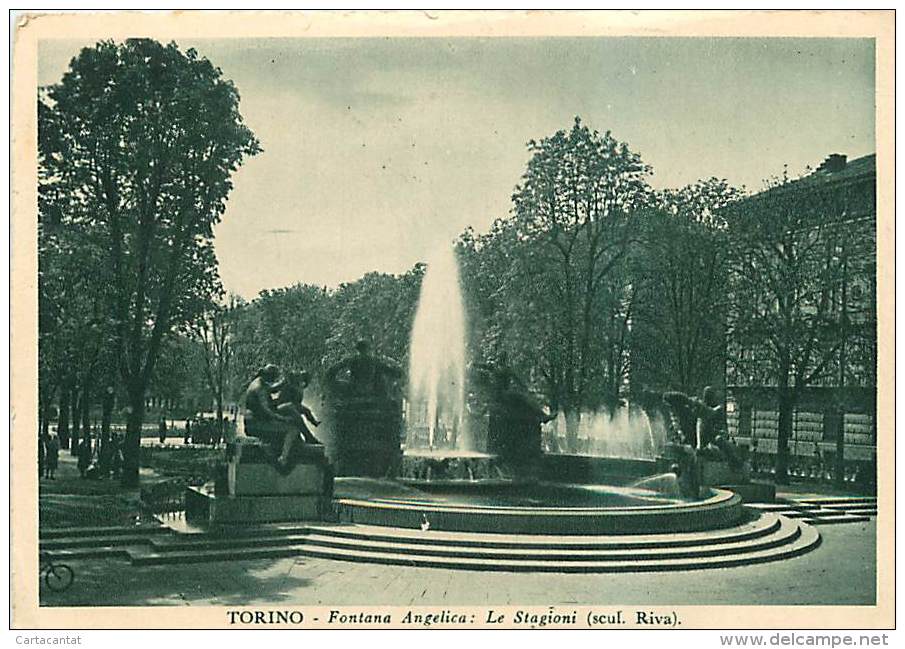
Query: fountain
x,y
435,412
471,468
464,472
439,446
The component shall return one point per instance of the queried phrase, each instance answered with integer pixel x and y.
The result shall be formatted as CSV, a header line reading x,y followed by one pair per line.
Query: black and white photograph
x,y
431,328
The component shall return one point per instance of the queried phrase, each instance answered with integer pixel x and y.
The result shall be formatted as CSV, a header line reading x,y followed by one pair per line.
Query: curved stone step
x,y
92,552
836,500
805,541
204,542
762,525
722,509
791,539
93,547
165,540
837,520
112,531
62,543
141,557
851,508
787,532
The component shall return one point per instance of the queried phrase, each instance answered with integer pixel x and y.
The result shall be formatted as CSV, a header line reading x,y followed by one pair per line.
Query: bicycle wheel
x,y
59,577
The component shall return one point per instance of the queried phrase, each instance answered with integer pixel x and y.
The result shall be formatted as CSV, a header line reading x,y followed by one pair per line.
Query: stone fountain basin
x,y
533,508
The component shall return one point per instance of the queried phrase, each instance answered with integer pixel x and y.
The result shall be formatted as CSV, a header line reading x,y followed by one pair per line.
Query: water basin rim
x,y
720,497
445,454
467,486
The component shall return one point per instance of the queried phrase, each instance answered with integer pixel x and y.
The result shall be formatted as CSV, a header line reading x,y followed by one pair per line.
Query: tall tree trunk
x,y
220,416
63,424
46,413
784,433
107,404
86,412
132,445
74,407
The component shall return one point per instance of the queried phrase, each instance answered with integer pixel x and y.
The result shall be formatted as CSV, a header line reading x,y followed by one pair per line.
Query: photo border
x,y
30,29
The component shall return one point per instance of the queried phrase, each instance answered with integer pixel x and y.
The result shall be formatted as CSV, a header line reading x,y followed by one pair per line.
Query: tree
x,y
179,379
379,308
788,317
143,139
214,331
575,204
681,274
490,276
73,348
287,326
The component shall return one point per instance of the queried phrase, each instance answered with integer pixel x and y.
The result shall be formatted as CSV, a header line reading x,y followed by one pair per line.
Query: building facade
x,y
835,409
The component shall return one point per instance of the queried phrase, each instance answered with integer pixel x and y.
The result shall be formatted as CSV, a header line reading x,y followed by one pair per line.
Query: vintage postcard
x,y
453,320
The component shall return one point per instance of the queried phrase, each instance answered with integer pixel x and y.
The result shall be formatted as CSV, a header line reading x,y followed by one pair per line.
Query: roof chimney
x,y
834,162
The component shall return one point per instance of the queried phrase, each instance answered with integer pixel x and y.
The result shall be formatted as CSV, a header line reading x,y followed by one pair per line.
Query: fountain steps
x,y
622,548
823,511
760,526
792,539
767,538
853,508
840,500
118,545
837,520
826,517
114,545
81,532
76,538
118,551
786,534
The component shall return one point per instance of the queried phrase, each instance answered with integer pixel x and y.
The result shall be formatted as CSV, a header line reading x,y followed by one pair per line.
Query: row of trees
x,y
595,285
596,278
137,144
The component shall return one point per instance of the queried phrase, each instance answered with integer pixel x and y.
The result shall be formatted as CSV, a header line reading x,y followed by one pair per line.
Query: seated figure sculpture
x,y
269,475
277,422
290,394
258,402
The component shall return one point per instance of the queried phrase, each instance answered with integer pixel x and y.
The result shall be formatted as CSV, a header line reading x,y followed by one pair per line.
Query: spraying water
x,y
623,433
436,408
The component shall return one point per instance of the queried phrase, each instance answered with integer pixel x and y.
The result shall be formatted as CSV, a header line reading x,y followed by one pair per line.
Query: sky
x,y
378,151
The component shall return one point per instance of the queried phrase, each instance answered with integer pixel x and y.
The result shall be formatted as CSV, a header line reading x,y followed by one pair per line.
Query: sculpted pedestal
x,y
367,437
253,491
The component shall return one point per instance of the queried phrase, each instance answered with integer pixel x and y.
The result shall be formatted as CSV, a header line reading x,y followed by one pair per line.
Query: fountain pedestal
x,y
367,437
252,491
515,439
